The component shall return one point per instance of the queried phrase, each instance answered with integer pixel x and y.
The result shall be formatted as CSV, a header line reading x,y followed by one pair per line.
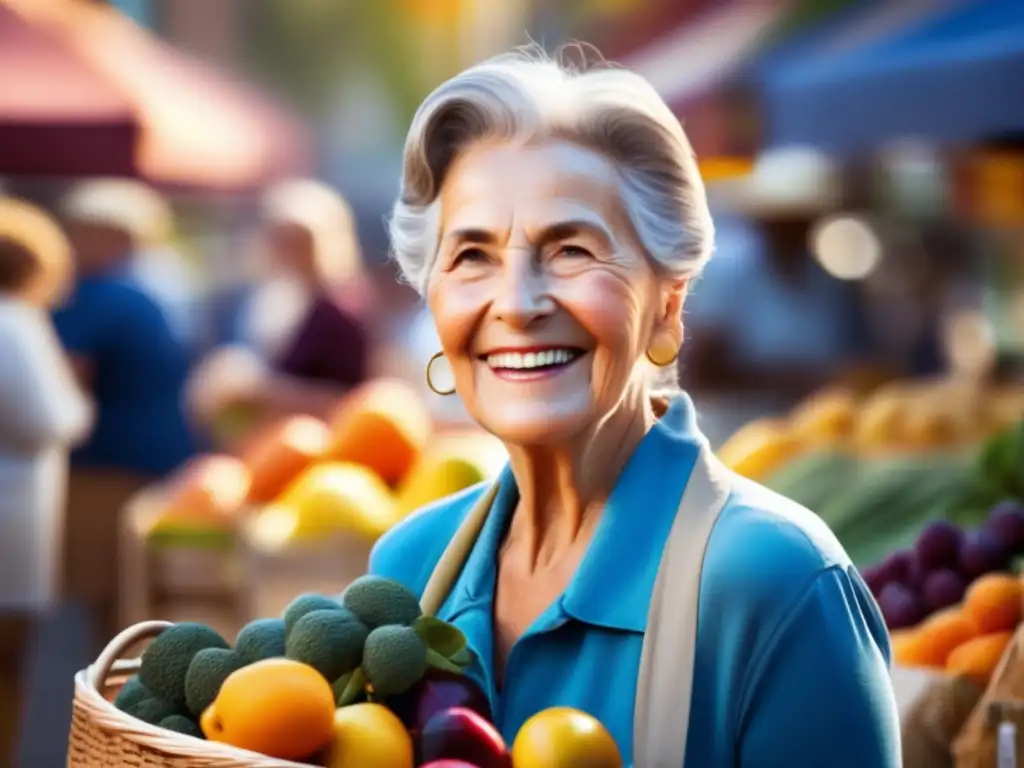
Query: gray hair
x,y
528,94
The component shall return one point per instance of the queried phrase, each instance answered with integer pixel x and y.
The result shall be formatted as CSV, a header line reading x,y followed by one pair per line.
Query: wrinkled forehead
x,y
505,186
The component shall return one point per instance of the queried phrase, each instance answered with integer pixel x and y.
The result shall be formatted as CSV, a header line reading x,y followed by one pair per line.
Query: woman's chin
x,y
537,424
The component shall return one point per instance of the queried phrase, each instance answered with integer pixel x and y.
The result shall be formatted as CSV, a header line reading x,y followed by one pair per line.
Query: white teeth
x,y
520,361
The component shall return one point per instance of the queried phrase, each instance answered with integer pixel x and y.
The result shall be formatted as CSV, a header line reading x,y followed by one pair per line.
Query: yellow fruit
x,y
561,737
384,425
824,418
326,500
448,465
880,421
277,707
369,735
759,448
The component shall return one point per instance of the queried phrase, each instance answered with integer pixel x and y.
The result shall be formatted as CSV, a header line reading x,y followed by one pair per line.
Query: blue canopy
x,y
955,76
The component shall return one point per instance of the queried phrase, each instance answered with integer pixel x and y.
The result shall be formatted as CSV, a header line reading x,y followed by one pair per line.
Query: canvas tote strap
x,y
665,682
448,568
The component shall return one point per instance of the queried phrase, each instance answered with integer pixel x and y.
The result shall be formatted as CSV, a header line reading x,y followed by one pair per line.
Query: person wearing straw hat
x,y
303,341
553,218
43,412
130,357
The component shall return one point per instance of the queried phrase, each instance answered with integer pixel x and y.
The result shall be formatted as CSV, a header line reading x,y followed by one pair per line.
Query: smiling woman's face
x,y
543,298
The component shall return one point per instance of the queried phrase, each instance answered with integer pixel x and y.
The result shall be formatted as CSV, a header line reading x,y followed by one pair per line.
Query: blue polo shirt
x,y
792,654
141,368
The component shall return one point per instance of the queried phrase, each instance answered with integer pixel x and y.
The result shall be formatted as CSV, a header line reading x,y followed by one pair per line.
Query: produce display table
x,y
223,581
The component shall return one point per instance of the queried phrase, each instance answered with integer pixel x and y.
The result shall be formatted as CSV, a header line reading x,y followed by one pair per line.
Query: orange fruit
x,y
383,425
277,707
208,489
561,737
977,659
994,602
369,734
930,644
281,455
902,642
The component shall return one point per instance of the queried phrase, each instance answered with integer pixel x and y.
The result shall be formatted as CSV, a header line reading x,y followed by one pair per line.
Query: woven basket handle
x,y
102,667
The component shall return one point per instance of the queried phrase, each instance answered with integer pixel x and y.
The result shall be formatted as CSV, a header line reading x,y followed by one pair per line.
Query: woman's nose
x,y
523,292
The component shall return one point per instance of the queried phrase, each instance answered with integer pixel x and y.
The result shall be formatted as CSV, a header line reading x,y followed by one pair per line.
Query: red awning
x,y
196,126
56,115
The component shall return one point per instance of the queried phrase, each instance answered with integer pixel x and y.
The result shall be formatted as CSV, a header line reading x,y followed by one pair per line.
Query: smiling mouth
x,y
522,364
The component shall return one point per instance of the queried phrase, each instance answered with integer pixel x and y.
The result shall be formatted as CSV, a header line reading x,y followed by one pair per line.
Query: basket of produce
x,y
363,679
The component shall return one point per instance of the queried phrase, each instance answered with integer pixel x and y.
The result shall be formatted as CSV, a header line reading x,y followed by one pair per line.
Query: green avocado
x,y
182,724
206,674
394,659
261,639
330,641
151,709
304,604
378,602
166,661
131,693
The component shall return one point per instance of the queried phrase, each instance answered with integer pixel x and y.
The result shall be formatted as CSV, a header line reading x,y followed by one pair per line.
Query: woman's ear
x,y
673,293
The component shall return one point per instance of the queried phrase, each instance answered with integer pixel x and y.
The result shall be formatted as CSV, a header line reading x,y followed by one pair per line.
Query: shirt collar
x,y
613,584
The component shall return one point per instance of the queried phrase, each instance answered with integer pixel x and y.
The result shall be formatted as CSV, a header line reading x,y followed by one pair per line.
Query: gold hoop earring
x,y
430,380
665,353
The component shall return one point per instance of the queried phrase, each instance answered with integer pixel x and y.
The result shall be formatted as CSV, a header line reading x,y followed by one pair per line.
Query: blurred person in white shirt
x,y
42,414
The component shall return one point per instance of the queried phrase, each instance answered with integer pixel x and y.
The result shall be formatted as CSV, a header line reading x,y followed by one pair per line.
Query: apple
x,y
458,733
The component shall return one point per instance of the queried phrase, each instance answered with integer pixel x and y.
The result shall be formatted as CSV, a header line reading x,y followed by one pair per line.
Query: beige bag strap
x,y
662,711
662,714
449,566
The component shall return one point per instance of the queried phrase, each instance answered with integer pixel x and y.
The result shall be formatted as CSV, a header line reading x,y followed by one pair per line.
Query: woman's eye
x,y
469,255
574,251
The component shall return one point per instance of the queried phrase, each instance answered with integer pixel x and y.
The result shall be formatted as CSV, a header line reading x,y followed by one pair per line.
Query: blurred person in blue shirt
x,y
129,357
126,347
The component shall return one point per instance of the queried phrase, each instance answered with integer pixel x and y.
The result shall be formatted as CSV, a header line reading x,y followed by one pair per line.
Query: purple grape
x,y
917,573
983,552
938,545
894,568
1006,520
943,588
901,607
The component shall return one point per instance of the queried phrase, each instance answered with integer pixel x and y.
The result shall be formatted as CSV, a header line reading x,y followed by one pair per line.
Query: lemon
x,y
561,737
369,734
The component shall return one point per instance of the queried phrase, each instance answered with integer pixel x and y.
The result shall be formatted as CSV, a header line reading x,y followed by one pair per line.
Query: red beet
x,y
436,692
900,607
462,734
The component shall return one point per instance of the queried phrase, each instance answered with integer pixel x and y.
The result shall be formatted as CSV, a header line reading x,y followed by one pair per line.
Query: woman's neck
x,y
563,488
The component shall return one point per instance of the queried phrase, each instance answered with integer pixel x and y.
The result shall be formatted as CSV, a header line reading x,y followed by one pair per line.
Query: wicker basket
x,y
102,736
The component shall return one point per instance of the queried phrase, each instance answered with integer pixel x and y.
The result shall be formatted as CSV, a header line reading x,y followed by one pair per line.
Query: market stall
x,y
951,73
232,538
87,92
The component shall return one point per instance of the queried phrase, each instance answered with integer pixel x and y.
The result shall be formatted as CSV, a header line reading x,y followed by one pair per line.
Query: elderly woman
x,y
553,220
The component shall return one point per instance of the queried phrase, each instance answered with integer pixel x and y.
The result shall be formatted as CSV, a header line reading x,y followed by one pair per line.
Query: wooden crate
x,y
273,578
